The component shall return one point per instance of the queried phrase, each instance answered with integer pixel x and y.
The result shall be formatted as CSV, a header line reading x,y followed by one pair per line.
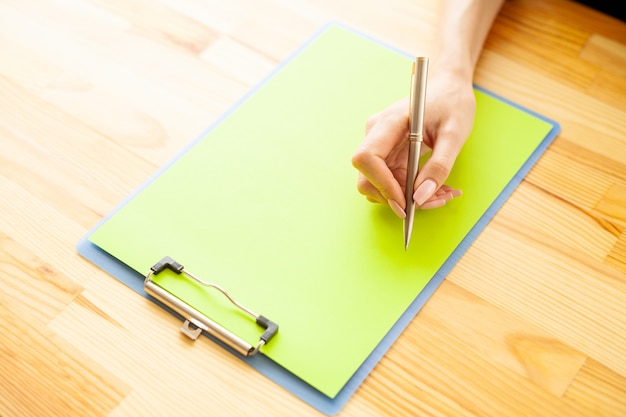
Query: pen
x,y
417,98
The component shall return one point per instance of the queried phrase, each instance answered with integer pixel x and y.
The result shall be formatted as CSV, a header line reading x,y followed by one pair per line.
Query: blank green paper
x,y
265,205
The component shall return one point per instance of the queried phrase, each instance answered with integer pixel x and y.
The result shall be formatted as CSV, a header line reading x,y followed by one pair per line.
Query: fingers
x,y
448,193
377,156
381,160
436,170
366,188
382,157
444,194
376,181
441,197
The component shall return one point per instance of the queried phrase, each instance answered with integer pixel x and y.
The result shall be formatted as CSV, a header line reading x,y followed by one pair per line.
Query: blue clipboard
x,y
266,366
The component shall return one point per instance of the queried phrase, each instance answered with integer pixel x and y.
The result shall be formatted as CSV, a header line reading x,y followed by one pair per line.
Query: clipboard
x,y
333,49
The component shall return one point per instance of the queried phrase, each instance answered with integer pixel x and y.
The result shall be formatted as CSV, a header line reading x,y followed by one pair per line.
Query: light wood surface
x,y
95,95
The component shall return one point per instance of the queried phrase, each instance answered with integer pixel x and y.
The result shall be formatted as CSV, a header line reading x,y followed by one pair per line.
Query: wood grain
x,y
96,95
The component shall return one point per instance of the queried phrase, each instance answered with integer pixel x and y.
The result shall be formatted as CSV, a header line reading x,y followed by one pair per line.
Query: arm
x,y
450,107
461,33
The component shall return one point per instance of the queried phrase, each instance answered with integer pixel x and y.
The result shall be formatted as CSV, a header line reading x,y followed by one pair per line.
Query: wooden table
x,y
95,95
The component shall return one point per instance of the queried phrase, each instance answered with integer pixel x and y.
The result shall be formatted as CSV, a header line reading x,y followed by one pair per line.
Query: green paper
x,y
265,206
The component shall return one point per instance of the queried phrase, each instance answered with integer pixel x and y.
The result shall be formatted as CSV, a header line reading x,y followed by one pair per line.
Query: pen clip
x,y
417,96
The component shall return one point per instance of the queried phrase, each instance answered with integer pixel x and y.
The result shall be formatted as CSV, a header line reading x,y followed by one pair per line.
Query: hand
x,y
382,156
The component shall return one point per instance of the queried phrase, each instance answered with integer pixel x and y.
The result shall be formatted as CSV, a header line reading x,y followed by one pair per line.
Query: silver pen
x,y
417,100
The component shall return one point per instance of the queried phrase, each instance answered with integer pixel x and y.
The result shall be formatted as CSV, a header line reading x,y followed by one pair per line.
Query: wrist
x,y
461,32
455,67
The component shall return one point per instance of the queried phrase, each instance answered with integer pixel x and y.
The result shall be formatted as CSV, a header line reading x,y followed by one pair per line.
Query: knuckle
x,y
392,118
388,118
361,186
368,190
361,158
440,168
371,121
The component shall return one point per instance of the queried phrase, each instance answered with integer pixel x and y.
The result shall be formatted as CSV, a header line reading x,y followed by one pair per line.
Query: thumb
x,y
436,169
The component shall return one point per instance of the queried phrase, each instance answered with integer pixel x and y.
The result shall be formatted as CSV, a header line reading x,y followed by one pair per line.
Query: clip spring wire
x,y
195,321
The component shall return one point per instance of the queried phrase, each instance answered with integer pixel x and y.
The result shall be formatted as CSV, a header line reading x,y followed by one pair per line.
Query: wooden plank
x,y
162,23
612,205
56,171
32,288
44,375
578,15
48,235
426,373
566,162
135,96
599,390
544,44
503,338
546,284
610,89
617,256
605,53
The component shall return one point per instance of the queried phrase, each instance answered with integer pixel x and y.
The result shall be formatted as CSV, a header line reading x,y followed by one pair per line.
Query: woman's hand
x,y
382,156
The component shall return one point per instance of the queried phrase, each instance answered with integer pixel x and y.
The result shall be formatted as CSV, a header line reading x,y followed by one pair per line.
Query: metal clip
x,y
196,322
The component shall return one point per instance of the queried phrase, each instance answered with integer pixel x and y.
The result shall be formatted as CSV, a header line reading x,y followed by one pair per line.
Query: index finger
x,y
382,140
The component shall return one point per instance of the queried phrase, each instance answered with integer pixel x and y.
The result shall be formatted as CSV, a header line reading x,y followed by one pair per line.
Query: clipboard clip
x,y
195,321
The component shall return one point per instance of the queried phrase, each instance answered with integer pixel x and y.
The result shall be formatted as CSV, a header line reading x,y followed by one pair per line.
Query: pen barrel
x,y
412,170
418,95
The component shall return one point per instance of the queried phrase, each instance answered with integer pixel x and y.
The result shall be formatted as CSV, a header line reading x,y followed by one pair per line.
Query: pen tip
x,y
407,239
408,227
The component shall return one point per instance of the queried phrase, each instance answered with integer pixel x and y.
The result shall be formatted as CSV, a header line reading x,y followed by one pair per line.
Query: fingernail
x,y
424,192
396,208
